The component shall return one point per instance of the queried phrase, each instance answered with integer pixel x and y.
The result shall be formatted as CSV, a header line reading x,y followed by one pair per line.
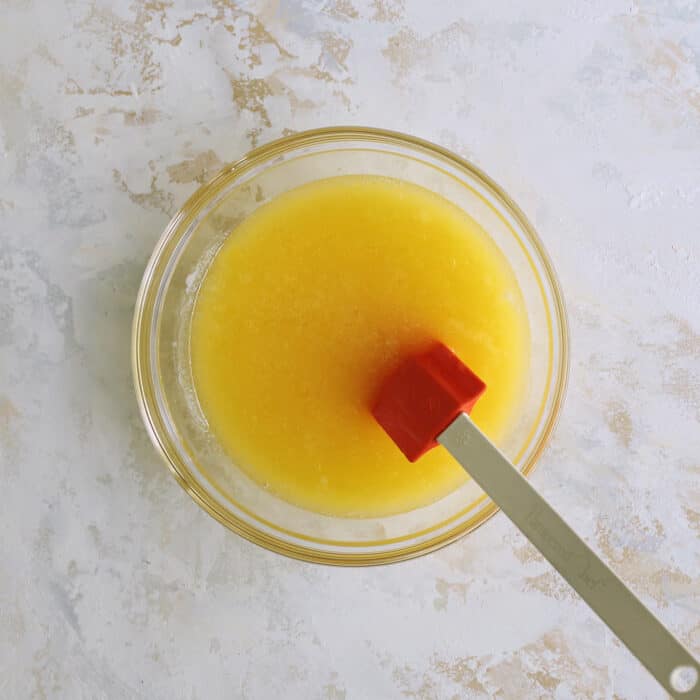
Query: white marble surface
x,y
113,584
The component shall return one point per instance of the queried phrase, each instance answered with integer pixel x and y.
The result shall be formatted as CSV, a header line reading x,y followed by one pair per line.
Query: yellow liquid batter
x,y
308,304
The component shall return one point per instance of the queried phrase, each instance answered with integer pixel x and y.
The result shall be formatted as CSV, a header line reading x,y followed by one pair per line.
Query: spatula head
x,y
422,396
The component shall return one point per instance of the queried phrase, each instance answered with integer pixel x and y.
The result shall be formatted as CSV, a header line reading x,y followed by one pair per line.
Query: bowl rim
x,y
178,225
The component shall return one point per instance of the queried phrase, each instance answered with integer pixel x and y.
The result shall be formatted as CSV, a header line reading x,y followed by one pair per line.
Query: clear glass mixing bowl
x,y
160,347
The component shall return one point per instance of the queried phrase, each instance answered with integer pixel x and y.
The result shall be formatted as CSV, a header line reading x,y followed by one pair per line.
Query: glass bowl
x,y
160,347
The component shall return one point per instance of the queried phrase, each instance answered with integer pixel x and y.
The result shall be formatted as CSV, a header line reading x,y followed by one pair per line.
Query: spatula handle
x,y
664,656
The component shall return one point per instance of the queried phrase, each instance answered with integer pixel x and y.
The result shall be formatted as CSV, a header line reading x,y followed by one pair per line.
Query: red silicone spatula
x,y
424,402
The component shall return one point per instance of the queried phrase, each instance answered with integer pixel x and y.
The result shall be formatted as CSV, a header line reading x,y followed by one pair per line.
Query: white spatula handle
x,y
663,655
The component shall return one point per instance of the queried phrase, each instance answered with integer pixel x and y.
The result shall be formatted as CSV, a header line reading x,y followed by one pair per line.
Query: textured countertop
x,y
113,584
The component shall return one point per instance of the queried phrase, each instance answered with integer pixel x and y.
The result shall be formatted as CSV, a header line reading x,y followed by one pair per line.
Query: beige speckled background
x,y
112,583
